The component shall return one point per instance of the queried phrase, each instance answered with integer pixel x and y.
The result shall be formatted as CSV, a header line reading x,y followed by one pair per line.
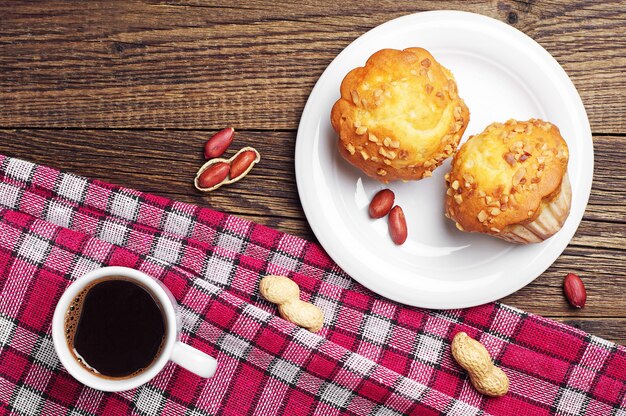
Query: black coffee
x,y
115,328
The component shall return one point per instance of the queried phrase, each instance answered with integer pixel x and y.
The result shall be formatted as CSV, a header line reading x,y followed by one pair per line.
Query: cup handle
x,y
193,360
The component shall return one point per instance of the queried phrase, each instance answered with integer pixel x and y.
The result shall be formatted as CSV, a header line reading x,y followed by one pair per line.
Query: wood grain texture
x,y
206,64
128,92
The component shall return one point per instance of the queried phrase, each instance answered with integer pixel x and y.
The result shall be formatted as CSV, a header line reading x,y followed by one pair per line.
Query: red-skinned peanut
x,y
218,143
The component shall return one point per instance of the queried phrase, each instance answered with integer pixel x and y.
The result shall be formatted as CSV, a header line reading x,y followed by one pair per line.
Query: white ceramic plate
x,y
501,74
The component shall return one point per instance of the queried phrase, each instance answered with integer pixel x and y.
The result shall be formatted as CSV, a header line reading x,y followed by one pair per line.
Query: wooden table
x,y
129,92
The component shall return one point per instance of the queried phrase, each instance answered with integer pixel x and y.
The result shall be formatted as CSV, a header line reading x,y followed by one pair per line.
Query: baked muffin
x,y
399,116
511,181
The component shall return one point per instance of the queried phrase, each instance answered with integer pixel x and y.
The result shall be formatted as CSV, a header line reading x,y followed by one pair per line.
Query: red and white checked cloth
x,y
373,356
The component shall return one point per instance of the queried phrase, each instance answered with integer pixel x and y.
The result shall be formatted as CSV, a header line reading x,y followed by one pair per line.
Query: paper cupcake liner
x,y
550,220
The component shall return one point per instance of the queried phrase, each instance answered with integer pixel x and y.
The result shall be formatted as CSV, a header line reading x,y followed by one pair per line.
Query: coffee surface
x,y
115,327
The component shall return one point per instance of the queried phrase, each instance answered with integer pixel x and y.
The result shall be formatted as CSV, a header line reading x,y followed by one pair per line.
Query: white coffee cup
x,y
182,354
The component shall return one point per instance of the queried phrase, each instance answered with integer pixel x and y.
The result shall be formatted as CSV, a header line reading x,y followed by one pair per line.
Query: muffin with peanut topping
x,y
510,181
399,116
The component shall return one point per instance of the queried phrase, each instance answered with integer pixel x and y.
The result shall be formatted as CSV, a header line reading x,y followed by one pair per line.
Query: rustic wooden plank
x,y
127,65
603,272
164,162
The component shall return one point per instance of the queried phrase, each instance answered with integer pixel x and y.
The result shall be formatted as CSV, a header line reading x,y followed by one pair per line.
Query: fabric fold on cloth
x,y
373,356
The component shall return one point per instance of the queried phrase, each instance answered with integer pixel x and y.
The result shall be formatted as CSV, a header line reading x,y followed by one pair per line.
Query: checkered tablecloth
x,y
373,356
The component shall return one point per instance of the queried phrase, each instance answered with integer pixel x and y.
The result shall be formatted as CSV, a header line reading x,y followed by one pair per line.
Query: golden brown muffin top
x,y
502,176
399,116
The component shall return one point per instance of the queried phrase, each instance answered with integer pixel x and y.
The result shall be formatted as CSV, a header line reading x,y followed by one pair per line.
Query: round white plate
x,y
501,74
